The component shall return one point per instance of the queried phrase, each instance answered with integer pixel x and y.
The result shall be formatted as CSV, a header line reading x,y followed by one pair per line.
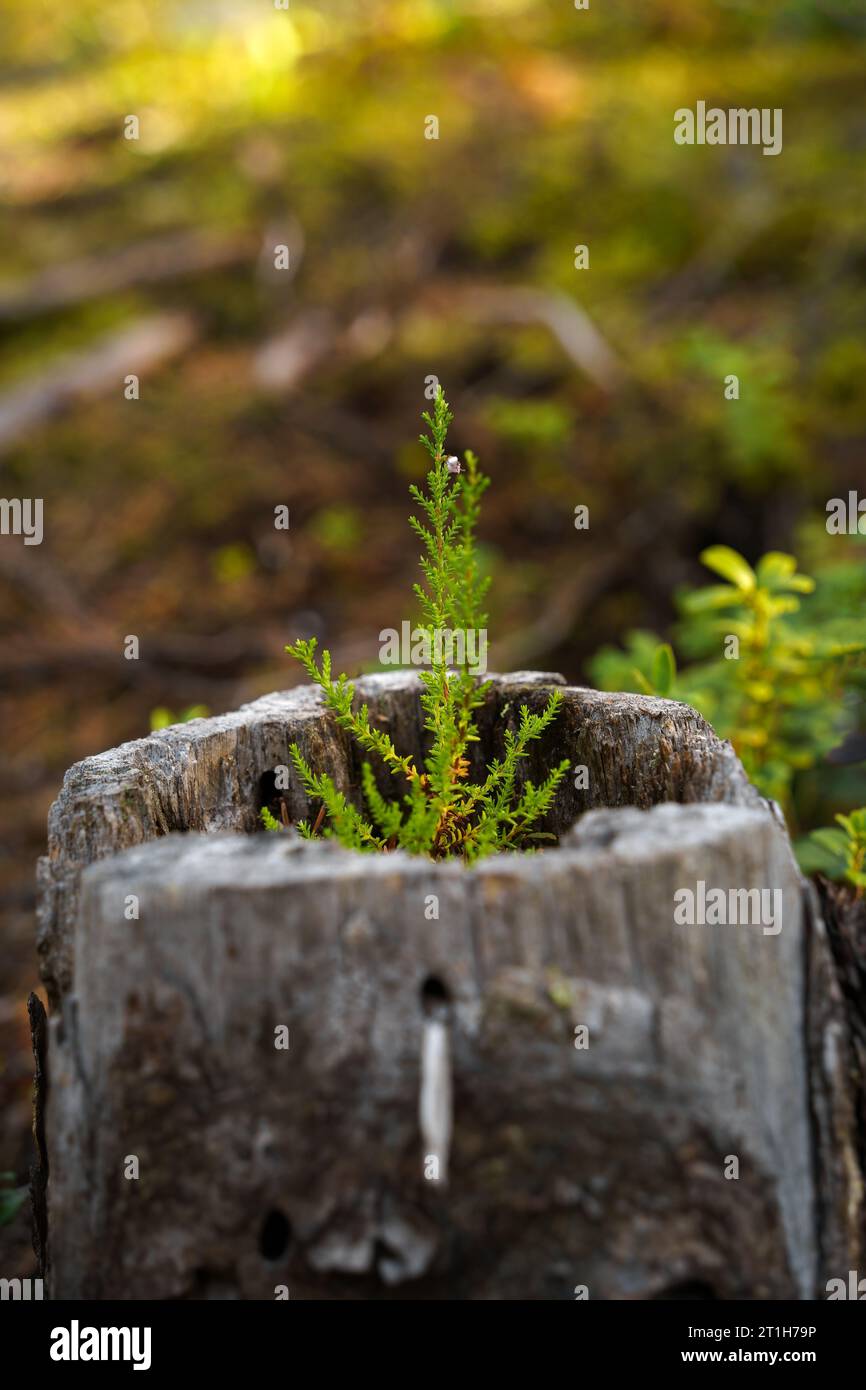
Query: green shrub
x,y
779,694
440,812
838,851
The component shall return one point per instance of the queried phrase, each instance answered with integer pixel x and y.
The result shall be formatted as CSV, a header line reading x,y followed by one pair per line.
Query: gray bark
x,y
602,1166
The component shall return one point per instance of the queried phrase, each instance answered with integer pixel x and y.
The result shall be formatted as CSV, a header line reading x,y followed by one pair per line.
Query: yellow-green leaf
x,y
730,565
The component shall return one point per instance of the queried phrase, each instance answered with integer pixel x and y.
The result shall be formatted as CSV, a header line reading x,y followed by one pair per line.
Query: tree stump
x,y
641,1107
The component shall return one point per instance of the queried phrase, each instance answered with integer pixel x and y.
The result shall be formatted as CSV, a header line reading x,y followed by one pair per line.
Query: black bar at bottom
x,y
226,1338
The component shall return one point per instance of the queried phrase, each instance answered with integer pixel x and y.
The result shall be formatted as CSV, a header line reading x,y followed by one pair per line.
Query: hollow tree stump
x,y
608,1165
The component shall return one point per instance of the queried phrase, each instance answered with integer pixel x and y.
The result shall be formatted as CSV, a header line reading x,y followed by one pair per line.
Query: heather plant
x,y
437,811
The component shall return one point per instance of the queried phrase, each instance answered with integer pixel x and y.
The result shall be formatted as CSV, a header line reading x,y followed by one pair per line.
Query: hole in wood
x,y
435,996
269,794
275,1235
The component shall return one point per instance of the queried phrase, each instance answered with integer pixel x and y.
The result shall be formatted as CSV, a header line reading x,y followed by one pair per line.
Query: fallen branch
x,y
103,367
572,327
282,363
146,263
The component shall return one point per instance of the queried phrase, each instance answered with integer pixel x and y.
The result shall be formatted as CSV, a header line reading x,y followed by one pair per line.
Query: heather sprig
x,y
437,811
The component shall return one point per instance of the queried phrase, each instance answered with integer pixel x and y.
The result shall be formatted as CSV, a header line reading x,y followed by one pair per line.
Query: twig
x,y
146,263
99,368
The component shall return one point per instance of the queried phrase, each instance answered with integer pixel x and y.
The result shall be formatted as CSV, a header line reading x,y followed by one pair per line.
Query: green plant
x,y
162,717
11,1198
440,813
765,675
840,852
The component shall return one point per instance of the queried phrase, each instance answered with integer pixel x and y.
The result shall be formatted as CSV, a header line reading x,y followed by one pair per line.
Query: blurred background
x,y
408,258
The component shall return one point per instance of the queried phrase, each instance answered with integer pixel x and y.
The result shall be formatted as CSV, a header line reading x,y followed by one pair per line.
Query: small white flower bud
x,y
452,463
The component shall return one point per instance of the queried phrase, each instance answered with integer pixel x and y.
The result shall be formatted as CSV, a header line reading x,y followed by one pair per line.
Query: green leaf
x,y
730,565
785,603
833,841
819,852
774,568
713,596
664,668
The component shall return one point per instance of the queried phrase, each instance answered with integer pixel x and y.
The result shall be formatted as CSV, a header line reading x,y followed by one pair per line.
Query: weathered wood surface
x,y
836,1032
602,1167
206,775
